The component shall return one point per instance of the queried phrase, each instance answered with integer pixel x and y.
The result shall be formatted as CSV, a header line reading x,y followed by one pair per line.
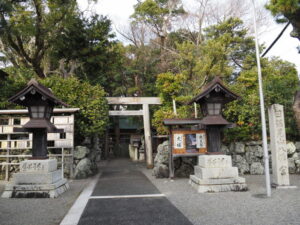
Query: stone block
x,y
297,144
241,163
256,168
219,187
216,173
38,166
36,191
239,147
291,148
214,161
80,152
235,180
37,178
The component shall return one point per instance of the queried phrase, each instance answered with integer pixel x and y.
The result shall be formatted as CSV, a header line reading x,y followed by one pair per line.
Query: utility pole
x,y
262,108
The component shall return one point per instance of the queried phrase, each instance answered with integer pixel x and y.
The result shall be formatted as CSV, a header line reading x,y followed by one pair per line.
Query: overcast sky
x,y
119,12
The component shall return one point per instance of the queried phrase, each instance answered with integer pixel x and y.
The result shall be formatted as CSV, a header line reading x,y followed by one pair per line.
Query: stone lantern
x,y
212,100
214,171
40,102
38,176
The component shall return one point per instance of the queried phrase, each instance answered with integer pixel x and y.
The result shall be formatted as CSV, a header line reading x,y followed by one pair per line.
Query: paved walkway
x,y
125,196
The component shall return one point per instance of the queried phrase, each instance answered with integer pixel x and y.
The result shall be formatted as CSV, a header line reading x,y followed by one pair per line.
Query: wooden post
x,y
7,168
147,133
106,142
171,162
62,162
73,144
174,107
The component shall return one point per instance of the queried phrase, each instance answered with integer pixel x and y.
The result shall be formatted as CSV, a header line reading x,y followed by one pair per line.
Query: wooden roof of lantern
x,y
218,89
45,95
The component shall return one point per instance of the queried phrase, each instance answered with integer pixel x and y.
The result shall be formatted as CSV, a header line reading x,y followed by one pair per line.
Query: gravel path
x,y
228,208
42,211
234,208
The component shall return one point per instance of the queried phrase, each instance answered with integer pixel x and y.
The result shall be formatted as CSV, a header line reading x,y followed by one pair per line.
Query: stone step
x,y
38,191
236,180
218,188
37,178
215,173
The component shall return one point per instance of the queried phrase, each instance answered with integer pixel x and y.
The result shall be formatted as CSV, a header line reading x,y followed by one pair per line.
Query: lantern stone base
x,y
36,179
214,173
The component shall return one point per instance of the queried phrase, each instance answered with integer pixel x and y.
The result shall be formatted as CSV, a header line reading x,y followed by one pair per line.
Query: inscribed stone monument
x,y
278,146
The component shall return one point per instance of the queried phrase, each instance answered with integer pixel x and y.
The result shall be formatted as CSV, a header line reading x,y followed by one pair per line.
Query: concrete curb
x,y
75,212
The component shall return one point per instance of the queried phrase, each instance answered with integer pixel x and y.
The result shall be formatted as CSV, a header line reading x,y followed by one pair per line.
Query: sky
x,y
119,12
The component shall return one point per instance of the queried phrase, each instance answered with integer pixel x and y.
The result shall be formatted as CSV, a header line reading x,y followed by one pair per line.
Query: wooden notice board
x,y
189,142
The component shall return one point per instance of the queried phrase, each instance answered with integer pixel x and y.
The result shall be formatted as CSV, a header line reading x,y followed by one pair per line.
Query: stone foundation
x,y
214,173
36,179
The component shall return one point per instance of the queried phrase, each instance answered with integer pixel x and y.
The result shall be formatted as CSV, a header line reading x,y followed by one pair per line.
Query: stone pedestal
x,y
214,173
36,179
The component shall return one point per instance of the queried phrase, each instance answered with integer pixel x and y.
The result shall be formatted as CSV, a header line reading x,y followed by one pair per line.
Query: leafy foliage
x,y
93,115
287,10
246,112
228,52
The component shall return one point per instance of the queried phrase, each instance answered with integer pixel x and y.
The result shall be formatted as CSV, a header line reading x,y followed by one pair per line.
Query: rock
x,y
256,168
292,165
250,143
161,161
225,150
297,163
254,153
291,148
83,169
162,156
295,156
231,147
297,144
241,163
161,171
185,170
184,167
239,147
80,152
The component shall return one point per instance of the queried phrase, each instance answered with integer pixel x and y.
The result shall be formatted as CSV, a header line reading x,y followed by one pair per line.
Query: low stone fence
x,y
247,156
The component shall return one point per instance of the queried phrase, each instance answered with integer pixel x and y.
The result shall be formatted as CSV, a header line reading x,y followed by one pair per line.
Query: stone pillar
x,y
147,132
280,166
39,144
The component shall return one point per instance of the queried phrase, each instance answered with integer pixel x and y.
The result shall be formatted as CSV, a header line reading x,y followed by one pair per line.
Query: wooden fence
x,y
15,146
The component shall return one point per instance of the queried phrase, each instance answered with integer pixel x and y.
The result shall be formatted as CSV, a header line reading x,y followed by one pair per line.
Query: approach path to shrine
x,y
123,195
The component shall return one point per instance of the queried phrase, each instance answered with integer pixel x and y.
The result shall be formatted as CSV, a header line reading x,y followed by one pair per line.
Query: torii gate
x,y
145,101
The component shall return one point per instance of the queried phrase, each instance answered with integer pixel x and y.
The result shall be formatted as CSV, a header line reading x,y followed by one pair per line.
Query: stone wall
x,y
248,157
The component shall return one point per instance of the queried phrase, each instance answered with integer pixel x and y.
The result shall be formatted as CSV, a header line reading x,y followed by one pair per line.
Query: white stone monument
x,y
280,166
214,173
37,179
